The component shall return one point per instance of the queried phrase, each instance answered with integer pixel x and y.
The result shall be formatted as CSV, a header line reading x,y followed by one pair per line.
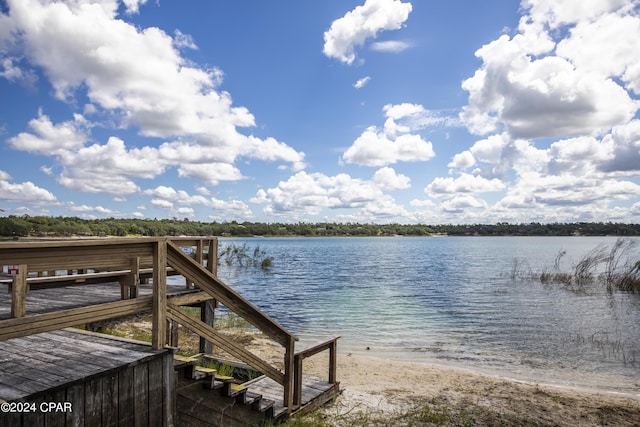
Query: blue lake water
x,y
450,300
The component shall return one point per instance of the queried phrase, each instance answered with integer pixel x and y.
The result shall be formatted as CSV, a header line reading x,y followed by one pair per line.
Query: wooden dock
x,y
43,362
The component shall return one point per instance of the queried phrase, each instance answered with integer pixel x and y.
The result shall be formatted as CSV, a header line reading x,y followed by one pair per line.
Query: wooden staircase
x,y
206,398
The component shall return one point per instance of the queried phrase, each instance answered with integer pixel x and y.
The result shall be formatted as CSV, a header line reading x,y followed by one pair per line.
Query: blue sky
x,y
350,111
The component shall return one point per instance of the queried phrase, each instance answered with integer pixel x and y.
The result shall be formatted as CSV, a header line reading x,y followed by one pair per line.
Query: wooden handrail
x,y
208,282
330,344
195,273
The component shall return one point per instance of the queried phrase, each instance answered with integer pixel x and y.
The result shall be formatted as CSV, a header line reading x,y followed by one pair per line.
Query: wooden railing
x,y
330,344
126,259
208,282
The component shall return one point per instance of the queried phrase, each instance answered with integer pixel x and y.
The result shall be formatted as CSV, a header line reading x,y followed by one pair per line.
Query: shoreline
x,y
387,388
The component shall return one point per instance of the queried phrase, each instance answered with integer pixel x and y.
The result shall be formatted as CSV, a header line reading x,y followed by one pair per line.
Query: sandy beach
x,y
379,387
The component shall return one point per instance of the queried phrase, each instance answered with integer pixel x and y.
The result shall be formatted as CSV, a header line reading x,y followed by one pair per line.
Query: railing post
x,y
289,369
333,361
19,292
158,333
208,308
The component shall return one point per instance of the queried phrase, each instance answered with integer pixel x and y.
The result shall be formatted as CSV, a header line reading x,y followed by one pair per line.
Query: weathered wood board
x,y
103,380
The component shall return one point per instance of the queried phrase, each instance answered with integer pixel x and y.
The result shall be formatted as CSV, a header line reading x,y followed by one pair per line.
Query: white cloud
x,y
211,173
48,138
555,14
465,183
462,203
362,82
309,194
393,46
387,178
24,192
462,160
534,87
108,168
137,78
374,148
86,209
167,198
362,23
395,142
133,6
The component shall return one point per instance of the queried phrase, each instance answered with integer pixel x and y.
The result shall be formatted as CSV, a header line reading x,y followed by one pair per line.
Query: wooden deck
x,y
51,299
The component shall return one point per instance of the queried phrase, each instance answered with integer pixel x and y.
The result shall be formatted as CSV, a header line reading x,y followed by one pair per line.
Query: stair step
x,y
184,359
263,405
233,390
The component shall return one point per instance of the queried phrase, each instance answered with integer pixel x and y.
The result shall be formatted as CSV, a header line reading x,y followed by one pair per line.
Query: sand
x,y
386,388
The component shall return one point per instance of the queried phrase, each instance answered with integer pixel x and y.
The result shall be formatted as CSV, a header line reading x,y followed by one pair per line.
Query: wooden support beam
x,y
19,292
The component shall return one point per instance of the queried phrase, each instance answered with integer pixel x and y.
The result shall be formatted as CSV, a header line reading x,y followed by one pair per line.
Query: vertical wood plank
x,y
19,292
126,416
75,395
158,333
156,392
34,418
169,386
141,394
110,400
93,402
55,418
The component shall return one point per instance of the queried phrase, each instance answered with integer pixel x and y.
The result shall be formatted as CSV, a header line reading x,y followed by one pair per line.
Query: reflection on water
x,y
450,300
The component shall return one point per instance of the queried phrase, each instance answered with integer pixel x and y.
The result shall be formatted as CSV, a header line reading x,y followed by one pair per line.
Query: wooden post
x,y
172,333
208,308
333,362
135,278
19,292
289,367
158,333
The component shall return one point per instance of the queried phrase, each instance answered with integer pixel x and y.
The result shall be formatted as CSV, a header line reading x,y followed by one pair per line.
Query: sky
x,y
369,111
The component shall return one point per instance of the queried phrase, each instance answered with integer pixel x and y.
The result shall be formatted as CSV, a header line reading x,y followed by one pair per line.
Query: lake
x,y
453,301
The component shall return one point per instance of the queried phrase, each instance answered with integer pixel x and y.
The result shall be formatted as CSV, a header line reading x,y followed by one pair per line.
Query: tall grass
x,y
616,267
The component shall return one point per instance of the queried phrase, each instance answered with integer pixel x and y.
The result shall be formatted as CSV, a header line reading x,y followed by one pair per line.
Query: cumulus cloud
x,y
47,138
23,192
138,79
465,183
395,142
534,87
309,194
387,178
166,198
362,23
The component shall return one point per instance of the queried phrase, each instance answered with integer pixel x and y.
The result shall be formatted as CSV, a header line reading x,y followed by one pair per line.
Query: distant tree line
x,y
45,226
